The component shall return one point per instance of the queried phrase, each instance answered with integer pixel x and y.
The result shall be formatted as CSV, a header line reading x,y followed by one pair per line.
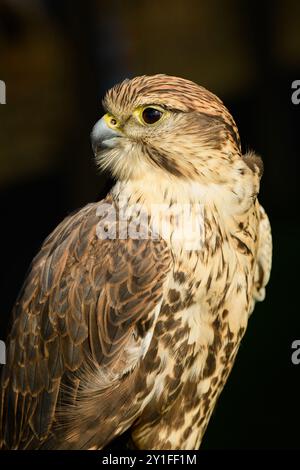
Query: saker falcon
x,y
114,332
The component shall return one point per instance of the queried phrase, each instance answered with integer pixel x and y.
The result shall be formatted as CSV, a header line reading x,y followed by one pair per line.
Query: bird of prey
x,y
121,325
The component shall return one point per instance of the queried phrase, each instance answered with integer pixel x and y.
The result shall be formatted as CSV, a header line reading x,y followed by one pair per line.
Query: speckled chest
x,y
203,316
202,319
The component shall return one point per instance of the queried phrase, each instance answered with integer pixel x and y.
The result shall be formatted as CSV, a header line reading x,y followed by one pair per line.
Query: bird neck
x,y
154,190
177,211
233,194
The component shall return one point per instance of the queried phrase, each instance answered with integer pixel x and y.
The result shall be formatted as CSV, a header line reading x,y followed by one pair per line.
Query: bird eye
x,y
151,115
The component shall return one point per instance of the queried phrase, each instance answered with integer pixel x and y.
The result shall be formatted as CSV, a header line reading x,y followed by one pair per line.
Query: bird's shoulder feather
x,y
80,321
264,255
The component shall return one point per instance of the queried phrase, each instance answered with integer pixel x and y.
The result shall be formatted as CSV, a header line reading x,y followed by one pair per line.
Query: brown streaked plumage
x,y
114,334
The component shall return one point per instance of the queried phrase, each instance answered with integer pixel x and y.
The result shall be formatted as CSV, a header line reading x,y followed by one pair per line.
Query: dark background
x,y
58,58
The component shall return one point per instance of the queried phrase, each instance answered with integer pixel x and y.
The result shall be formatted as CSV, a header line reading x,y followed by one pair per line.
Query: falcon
x,y
134,309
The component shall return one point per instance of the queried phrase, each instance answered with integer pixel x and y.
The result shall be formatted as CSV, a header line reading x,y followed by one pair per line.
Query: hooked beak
x,y
103,136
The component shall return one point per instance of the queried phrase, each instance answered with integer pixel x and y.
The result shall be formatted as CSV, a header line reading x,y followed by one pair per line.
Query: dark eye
x,y
151,115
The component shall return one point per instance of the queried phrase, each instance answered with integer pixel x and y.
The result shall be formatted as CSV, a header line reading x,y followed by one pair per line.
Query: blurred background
x,y
57,58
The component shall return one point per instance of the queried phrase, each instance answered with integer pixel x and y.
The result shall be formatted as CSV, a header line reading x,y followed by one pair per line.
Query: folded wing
x,y
82,323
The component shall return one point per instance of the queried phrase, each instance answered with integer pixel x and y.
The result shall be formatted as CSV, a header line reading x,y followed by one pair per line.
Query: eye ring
x,y
151,115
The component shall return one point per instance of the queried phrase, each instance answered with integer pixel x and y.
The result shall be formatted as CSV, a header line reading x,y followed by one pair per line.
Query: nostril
x,y
104,134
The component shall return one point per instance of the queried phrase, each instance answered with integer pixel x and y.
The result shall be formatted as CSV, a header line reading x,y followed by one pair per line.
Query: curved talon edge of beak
x,y
103,136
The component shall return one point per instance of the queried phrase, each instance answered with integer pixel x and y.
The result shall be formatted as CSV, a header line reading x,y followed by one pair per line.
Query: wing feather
x,y
75,330
264,257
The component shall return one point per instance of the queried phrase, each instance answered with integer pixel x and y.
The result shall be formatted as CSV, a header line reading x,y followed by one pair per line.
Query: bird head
x,y
165,126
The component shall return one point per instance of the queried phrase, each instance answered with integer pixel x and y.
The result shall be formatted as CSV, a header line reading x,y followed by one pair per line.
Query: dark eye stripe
x,y
151,115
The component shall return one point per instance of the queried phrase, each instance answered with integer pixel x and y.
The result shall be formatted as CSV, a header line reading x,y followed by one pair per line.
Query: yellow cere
x,y
111,121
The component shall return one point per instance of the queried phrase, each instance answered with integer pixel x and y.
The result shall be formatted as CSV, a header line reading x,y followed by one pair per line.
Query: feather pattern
x,y
118,332
82,303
